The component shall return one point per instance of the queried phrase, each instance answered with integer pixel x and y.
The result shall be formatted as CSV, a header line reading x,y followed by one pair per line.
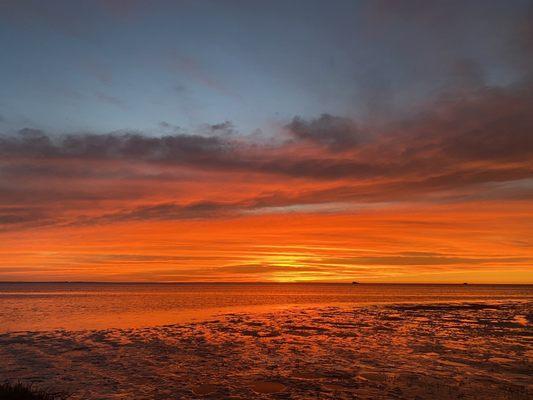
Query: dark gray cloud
x,y
465,146
491,125
136,146
167,211
333,132
224,128
31,216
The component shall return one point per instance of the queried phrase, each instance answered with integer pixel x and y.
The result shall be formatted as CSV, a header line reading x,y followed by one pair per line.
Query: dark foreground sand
x,y
440,351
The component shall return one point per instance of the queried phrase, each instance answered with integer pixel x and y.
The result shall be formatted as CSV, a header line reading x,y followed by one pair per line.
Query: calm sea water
x,y
79,306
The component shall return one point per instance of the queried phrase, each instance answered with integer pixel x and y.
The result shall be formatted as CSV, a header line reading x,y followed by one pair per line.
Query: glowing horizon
x,y
132,148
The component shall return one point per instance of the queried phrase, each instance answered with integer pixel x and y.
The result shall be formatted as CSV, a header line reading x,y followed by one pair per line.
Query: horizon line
x,y
264,282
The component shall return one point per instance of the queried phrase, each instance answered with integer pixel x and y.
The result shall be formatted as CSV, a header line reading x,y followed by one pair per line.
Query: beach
x,y
440,350
286,200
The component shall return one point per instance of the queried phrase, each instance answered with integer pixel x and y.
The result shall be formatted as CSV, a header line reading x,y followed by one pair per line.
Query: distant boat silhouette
x,y
465,283
355,283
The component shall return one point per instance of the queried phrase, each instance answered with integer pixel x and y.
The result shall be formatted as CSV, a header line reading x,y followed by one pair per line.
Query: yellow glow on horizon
x,y
483,243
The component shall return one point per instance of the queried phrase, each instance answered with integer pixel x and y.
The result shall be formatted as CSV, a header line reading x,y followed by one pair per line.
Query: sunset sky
x,y
229,140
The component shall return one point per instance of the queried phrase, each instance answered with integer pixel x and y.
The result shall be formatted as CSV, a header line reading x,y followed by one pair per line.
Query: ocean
x,y
268,341
83,306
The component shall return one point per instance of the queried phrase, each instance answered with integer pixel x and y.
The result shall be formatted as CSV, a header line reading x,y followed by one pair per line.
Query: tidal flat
x,y
456,350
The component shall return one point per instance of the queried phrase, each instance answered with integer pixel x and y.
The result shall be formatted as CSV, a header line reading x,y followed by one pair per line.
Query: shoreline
x,y
442,350
198,316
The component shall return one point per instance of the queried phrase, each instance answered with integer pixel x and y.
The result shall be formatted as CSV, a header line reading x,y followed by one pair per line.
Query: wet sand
x,y
410,351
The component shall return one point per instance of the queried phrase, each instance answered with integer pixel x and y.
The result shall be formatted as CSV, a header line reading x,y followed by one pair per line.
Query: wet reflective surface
x,y
463,349
77,306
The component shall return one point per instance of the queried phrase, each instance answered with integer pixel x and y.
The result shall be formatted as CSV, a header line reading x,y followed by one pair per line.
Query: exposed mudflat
x,y
424,351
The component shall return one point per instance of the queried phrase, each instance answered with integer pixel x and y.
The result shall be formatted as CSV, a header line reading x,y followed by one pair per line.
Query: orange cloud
x,y
442,196
477,243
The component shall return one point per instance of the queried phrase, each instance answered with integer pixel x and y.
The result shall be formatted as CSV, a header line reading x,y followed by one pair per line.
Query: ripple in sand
x,y
373,376
307,375
205,389
501,360
267,387
334,387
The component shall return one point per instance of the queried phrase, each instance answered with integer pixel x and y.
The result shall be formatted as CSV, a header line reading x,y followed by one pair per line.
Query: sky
x,y
232,140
